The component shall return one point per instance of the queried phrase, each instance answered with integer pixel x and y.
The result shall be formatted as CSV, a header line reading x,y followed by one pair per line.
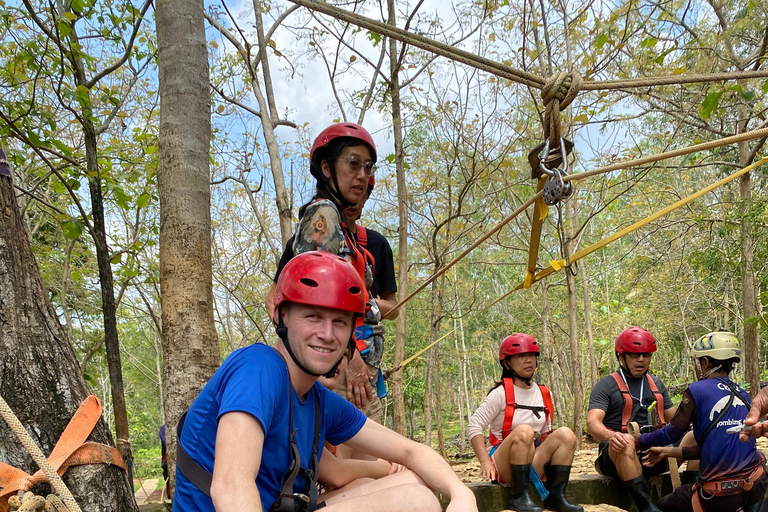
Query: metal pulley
x,y
555,166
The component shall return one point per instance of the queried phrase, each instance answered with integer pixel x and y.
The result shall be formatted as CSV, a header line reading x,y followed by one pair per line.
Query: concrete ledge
x,y
582,490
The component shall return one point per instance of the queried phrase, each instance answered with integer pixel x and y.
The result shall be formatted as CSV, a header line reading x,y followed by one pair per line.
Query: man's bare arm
x,y
239,443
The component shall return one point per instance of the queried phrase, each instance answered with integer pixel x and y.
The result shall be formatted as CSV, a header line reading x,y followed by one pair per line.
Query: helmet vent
x,y
354,290
309,282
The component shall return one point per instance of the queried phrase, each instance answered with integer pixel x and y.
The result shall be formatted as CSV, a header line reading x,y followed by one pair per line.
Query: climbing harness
x,y
629,410
724,487
289,500
70,450
512,405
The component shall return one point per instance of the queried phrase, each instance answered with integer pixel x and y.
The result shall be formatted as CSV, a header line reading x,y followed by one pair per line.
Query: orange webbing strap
x,y
362,236
540,211
549,410
626,413
659,399
509,411
696,499
70,450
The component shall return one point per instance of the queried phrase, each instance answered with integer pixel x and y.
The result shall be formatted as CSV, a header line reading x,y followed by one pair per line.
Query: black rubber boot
x,y
518,498
557,481
641,495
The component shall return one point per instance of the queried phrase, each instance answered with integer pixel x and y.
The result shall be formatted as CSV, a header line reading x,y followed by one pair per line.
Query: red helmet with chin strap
x,y
636,340
319,278
337,130
518,343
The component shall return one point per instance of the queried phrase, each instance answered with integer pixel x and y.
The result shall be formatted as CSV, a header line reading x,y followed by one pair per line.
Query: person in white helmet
x,y
731,474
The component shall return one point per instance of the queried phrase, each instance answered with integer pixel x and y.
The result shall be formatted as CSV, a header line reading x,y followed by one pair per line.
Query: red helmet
x,y
371,182
319,278
334,131
635,339
518,343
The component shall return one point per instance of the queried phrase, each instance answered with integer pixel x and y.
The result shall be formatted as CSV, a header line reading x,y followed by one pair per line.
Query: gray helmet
x,y
720,345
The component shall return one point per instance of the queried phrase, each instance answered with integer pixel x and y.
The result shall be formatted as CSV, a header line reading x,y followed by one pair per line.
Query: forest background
x,y
79,107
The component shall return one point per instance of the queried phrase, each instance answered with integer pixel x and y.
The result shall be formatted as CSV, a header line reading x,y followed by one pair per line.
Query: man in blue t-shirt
x,y
252,439
731,473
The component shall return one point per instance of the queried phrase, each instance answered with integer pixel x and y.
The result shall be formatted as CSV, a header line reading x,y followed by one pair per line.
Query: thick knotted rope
x,y
29,502
560,90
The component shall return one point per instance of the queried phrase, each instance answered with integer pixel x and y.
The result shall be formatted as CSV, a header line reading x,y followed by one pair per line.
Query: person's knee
x,y
566,436
522,434
629,451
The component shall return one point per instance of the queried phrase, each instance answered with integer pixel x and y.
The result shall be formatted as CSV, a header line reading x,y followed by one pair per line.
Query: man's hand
x,y
656,454
758,410
618,442
488,470
359,389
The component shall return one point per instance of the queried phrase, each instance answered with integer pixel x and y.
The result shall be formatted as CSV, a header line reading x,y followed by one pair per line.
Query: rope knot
x,y
559,91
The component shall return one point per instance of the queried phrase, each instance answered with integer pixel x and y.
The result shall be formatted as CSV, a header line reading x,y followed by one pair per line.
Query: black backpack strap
x,y
192,471
289,500
734,392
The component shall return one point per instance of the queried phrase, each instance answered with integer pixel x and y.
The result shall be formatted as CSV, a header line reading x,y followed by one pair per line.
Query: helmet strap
x,y
282,332
514,375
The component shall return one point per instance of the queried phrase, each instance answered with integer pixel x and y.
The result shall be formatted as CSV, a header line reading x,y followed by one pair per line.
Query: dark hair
x,y
505,374
330,152
726,365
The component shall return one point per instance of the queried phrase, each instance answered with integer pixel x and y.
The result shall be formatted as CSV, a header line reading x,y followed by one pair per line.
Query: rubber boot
x,y
557,481
518,498
641,494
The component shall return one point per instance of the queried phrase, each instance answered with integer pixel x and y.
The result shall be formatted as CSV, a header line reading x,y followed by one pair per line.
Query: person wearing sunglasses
x,y
629,395
342,161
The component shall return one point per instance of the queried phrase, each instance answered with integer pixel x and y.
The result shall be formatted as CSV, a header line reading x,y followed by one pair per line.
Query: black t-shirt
x,y
607,397
378,246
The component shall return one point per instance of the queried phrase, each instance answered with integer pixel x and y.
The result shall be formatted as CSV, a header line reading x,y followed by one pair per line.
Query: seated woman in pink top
x,y
519,413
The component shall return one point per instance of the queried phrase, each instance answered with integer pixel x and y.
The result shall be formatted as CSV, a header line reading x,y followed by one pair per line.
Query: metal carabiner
x,y
543,160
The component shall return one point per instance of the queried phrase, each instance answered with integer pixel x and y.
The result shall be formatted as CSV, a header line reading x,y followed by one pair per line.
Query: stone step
x,y
582,490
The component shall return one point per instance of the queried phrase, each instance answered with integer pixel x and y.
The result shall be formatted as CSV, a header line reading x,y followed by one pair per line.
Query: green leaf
x,y
78,5
601,41
72,229
765,87
581,118
374,37
660,58
710,104
748,95
121,198
143,200
649,42
116,258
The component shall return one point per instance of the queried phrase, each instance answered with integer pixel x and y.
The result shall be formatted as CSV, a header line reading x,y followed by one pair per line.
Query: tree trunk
x,y
751,358
573,332
39,376
398,390
190,345
588,324
436,368
99,235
